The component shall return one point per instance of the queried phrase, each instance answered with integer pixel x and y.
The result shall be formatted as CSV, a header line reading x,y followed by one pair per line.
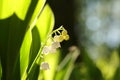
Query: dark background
x,y
67,14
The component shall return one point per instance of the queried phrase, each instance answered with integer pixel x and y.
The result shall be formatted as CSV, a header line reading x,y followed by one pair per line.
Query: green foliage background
x,y
24,26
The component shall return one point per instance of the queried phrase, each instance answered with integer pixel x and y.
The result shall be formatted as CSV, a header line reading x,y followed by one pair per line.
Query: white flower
x,y
44,66
46,50
58,38
52,50
56,45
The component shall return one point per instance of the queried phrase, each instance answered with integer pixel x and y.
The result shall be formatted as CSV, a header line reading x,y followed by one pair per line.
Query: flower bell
x,y
46,50
56,45
58,38
44,66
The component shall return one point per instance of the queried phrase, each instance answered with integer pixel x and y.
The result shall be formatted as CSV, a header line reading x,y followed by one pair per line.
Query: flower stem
x,y
33,63
40,50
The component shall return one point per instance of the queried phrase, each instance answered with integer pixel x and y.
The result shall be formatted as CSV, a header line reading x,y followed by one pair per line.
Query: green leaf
x,y
24,54
48,18
21,8
17,21
0,70
45,23
33,53
8,7
11,33
37,12
53,60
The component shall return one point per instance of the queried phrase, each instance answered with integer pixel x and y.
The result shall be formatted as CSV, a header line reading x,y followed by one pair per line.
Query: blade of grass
x,y
66,66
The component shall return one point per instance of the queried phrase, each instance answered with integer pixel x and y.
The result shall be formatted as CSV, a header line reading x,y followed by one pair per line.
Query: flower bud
x,y
66,37
64,32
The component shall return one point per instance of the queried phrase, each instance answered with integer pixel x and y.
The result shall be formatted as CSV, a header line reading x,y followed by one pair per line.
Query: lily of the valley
x,y
51,49
44,66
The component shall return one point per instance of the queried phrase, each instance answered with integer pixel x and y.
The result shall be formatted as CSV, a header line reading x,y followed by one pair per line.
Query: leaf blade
x,y
24,54
45,23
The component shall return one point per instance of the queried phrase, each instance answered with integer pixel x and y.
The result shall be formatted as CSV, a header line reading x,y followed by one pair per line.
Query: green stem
x,y
60,28
40,50
38,55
